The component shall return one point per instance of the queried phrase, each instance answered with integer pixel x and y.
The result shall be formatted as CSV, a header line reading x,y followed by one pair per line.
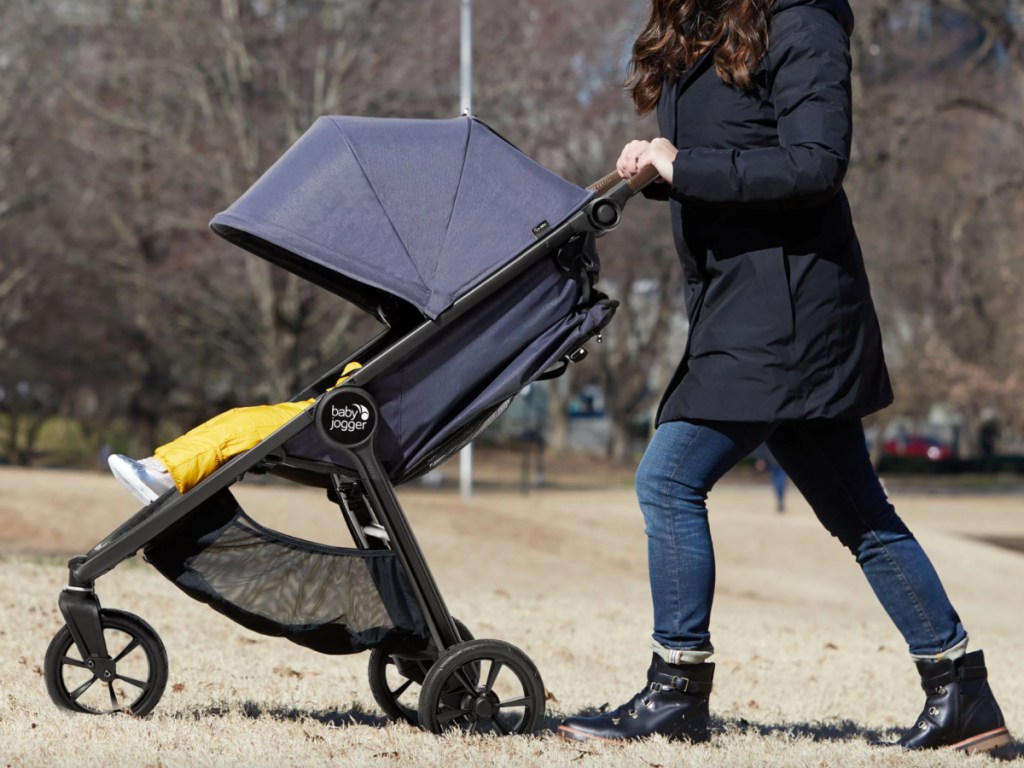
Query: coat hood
x,y
838,8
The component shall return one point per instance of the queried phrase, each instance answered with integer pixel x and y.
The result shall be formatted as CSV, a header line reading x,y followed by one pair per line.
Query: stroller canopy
x,y
423,210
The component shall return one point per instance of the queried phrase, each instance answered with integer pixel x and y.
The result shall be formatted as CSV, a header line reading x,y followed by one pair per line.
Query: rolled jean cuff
x,y
953,652
683,655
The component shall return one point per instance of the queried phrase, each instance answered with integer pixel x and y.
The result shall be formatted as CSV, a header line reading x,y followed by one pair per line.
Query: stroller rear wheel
x,y
395,680
483,686
130,679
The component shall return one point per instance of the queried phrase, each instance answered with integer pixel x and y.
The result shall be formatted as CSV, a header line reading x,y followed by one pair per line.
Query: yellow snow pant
x,y
200,451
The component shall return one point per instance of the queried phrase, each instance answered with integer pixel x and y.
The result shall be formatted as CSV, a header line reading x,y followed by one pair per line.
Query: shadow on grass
x,y
254,711
844,730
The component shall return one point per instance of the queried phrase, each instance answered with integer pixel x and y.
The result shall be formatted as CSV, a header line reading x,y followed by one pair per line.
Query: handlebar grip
x,y
646,175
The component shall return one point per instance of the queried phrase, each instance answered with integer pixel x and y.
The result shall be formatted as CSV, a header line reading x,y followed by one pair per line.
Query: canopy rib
x,y
455,198
380,203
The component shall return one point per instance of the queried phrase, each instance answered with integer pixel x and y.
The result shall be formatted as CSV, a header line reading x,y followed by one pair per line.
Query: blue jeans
x,y
829,464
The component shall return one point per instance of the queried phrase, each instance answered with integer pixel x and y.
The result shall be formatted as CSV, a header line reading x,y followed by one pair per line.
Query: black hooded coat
x,y
782,326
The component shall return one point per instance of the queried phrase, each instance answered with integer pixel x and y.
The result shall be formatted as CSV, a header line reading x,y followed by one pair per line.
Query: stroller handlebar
x,y
605,185
611,195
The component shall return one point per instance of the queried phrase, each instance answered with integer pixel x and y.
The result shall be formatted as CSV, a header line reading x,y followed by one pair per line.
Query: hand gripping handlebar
x,y
607,184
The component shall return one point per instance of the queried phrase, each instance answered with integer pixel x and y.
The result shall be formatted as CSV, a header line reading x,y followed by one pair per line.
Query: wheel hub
x,y
103,669
485,707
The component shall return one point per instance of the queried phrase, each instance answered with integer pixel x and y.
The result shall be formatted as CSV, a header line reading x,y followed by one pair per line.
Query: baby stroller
x,y
481,266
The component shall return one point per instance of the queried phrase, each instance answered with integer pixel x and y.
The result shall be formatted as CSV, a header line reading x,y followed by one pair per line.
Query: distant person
x,y
753,99
185,461
104,453
534,403
988,438
765,462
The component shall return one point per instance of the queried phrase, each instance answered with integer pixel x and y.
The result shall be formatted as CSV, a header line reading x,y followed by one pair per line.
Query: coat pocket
x,y
748,310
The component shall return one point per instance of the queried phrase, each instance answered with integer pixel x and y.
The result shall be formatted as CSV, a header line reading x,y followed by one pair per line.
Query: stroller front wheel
x,y
130,679
483,686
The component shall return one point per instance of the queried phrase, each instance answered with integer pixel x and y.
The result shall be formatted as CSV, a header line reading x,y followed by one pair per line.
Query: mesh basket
x,y
331,599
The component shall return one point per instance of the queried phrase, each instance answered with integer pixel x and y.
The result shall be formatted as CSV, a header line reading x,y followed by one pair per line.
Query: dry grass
x,y
810,669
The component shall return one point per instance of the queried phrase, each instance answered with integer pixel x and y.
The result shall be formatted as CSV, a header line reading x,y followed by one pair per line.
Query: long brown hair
x,y
679,31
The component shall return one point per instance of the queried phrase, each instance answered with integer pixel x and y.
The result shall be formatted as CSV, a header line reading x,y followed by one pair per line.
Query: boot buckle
x,y
678,685
685,684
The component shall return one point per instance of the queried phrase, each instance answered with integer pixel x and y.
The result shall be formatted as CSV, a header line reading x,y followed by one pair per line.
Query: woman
x,y
754,109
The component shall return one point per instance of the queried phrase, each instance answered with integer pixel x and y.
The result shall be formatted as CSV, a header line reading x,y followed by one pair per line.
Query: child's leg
x,y
193,456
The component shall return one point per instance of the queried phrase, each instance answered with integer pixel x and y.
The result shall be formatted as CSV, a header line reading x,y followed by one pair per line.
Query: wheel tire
x,y
395,680
140,665
482,686
389,683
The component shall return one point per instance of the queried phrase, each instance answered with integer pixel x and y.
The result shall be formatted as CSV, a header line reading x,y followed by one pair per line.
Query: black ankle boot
x,y
674,704
960,711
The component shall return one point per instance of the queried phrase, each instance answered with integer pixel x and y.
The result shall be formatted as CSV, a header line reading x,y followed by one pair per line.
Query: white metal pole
x,y
466,59
466,105
466,471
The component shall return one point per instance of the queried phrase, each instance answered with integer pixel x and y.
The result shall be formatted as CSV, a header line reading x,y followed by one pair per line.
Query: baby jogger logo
x,y
346,417
349,419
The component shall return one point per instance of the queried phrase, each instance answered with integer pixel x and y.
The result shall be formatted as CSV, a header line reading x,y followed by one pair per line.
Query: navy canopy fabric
x,y
421,209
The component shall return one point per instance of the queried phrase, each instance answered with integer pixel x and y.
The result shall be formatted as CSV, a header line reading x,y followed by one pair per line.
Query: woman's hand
x,y
628,164
638,154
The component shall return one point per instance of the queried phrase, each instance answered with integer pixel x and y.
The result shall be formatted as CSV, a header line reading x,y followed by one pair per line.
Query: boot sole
x,y
571,734
983,742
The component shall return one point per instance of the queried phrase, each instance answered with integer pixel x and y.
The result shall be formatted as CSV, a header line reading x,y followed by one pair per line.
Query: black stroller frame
x,y
448,664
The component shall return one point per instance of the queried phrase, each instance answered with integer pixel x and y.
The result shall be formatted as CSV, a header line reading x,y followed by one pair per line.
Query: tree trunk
x,y
619,441
559,393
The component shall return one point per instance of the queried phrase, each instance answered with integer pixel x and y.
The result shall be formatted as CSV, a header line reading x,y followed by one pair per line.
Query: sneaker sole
x,y
983,742
138,489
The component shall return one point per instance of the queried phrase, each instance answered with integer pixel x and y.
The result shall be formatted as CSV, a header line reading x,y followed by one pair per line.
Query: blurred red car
x,y
917,446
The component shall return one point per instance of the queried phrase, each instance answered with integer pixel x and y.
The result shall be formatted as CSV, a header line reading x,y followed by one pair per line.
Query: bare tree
x,y
552,79
178,108
31,336
126,124
938,183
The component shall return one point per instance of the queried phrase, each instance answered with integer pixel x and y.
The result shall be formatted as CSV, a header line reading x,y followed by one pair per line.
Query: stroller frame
x,y
367,499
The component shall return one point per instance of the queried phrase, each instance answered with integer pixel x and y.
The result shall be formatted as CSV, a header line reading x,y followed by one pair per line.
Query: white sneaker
x,y
144,483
